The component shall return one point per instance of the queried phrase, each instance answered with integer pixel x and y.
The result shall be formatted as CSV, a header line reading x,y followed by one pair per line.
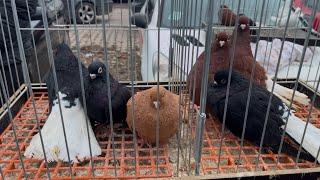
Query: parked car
x,y
185,48
39,53
307,6
86,10
54,7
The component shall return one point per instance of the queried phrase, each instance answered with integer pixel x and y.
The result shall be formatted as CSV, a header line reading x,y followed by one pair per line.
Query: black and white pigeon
x,y
68,76
74,118
236,108
98,99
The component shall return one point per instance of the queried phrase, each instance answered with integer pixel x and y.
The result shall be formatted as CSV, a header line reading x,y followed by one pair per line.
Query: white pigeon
x,y
53,136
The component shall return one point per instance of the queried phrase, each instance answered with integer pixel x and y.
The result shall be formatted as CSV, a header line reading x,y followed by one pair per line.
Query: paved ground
x,y
117,43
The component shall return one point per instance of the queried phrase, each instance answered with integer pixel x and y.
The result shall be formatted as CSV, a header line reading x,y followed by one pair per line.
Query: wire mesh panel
x,y
130,89
104,164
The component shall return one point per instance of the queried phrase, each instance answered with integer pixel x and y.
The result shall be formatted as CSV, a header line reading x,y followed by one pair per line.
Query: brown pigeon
x,y
228,18
219,60
146,111
243,58
221,52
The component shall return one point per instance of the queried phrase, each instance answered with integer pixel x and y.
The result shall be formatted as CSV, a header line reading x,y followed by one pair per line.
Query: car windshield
x,y
251,8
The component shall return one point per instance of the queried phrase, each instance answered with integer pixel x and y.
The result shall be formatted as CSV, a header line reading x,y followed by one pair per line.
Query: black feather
x,y
68,76
238,93
98,99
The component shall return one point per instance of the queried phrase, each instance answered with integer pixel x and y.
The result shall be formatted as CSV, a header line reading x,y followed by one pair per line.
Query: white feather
x,y
283,14
53,137
283,92
295,128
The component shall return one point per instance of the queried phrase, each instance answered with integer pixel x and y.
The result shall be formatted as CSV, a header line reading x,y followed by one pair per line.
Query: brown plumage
x,y
219,60
243,58
221,57
145,112
226,16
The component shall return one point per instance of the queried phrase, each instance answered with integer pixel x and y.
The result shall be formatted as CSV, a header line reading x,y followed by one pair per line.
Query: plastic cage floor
x,y
303,112
104,165
229,160
124,165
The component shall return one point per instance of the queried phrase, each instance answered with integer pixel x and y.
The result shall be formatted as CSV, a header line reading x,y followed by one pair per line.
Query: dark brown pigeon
x,y
228,18
243,58
219,60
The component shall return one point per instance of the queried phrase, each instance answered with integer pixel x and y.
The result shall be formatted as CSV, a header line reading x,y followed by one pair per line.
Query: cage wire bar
x,y
203,94
229,83
82,87
295,88
27,76
180,61
51,60
194,81
7,55
181,54
299,72
4,87
249,91
132,72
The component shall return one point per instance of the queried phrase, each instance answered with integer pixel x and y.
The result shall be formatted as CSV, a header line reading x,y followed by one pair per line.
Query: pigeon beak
x,y
93,76
243,26
222,43
215,83
156,104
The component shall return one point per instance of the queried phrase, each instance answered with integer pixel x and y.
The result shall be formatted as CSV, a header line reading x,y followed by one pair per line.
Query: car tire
x,y
85,13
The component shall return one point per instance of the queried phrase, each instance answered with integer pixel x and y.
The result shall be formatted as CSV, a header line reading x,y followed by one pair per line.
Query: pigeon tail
x,y
54,140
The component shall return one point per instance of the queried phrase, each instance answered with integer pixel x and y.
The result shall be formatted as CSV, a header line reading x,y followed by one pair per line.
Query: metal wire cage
x,y
152,43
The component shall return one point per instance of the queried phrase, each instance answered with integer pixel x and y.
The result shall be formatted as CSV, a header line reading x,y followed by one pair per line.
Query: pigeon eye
x,y
100,70
223,81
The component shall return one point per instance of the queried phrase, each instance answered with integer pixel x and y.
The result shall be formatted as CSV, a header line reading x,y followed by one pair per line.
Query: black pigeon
x,y
98,99
68,76
238,93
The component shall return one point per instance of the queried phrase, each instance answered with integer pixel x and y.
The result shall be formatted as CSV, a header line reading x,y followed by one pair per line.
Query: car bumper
x,y
108,7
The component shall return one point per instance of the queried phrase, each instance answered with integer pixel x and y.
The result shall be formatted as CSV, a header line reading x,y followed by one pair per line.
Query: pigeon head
x,y
218,88
221,78
224,6
96,69
154,96
243,23
64,57
222,39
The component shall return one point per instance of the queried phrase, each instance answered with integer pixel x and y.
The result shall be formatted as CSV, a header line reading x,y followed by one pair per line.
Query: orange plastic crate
x,y
303,113
230,153
104,165
104,168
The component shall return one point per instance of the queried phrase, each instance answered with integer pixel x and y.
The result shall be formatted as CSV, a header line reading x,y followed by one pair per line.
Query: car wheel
x,y
85,13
